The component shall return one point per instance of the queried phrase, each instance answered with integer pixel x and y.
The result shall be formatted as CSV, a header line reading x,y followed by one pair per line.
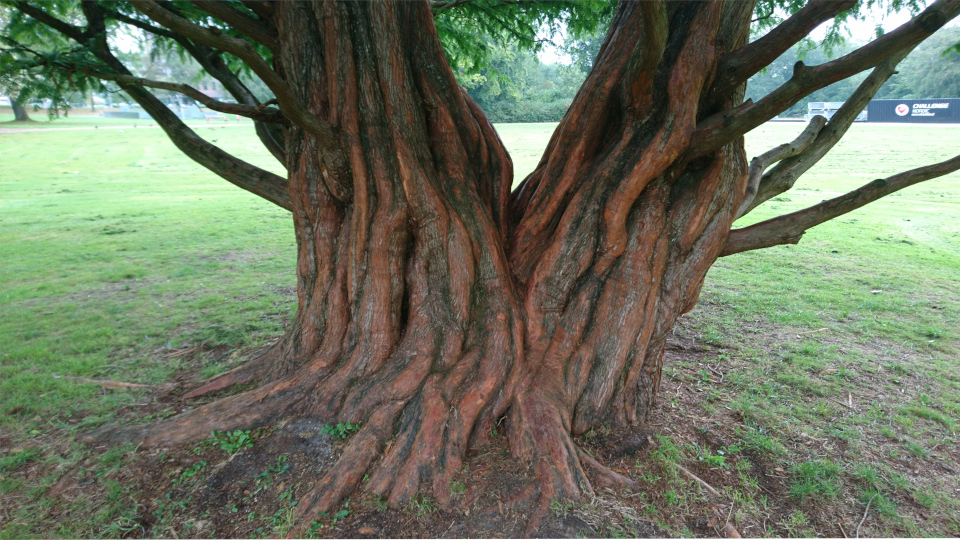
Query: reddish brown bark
x,y
433,302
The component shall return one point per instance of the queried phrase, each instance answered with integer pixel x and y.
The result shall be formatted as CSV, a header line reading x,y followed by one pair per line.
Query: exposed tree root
x,y
250,371
246,410
604,474
533,524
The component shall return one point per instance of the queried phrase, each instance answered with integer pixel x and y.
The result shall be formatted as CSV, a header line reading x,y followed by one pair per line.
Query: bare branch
x,y
739,65
253,28
244,175
764,160
209,58
256,113
230,168
326,134
721,128
782,177
141,24
789,228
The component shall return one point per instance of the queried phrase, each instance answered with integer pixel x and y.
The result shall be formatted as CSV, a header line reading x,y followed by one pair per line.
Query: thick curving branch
x,y
256,30
768,158
722,128
209,58
256,113
262,8
327,134
785,174
789,228
234,170
737,66
73,32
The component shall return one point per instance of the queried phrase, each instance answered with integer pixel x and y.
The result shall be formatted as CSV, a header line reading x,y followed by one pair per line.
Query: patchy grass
x,y
809,381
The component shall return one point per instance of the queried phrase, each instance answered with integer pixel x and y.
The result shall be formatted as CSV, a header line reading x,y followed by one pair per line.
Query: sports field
x,y
811,380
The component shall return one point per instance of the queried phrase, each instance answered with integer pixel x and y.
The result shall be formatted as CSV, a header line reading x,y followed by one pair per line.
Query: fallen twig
x,y
183,352
729,531
116,384
865,512
841,403
703,483
720,373
812,331
843,531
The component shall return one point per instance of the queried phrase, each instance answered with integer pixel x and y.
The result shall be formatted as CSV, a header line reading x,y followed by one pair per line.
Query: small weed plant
x,y
232,442
341,431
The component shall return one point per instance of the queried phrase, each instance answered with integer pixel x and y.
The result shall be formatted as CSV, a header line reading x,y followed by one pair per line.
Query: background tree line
x,y
518,87
512,84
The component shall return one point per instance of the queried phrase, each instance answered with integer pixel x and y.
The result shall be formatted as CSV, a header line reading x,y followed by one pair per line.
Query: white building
x,y
827,109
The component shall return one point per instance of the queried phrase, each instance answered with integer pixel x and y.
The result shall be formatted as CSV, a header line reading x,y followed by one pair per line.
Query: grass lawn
x,y
810,381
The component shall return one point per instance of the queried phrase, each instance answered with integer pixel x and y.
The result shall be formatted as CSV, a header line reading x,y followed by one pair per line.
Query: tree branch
x,y
719,129
243,23
782,177
263,115
325,133
439,6
72,32
764,160
263,8
242,174
209,59
789,228
739,65
141,24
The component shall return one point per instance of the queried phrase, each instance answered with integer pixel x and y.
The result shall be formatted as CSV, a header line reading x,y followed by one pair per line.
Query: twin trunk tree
x,y
435,302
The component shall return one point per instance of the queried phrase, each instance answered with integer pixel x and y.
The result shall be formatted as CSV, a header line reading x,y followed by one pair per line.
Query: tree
x,y
19,112
436,302
931,71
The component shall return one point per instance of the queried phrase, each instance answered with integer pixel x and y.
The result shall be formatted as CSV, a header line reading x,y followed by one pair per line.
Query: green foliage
x,y
190,472
342,430
560,508
931,70
423,505
517,87
264,479
470,32
232,442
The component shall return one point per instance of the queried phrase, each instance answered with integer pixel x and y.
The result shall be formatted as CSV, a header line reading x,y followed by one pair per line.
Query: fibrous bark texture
x,y
433,301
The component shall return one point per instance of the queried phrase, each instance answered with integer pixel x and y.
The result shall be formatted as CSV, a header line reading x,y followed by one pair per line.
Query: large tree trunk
x,y
19,113
615,230
432,301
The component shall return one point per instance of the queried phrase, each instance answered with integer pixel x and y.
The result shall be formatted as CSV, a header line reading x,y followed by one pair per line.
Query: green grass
x,y
818,478
122,259
85,118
